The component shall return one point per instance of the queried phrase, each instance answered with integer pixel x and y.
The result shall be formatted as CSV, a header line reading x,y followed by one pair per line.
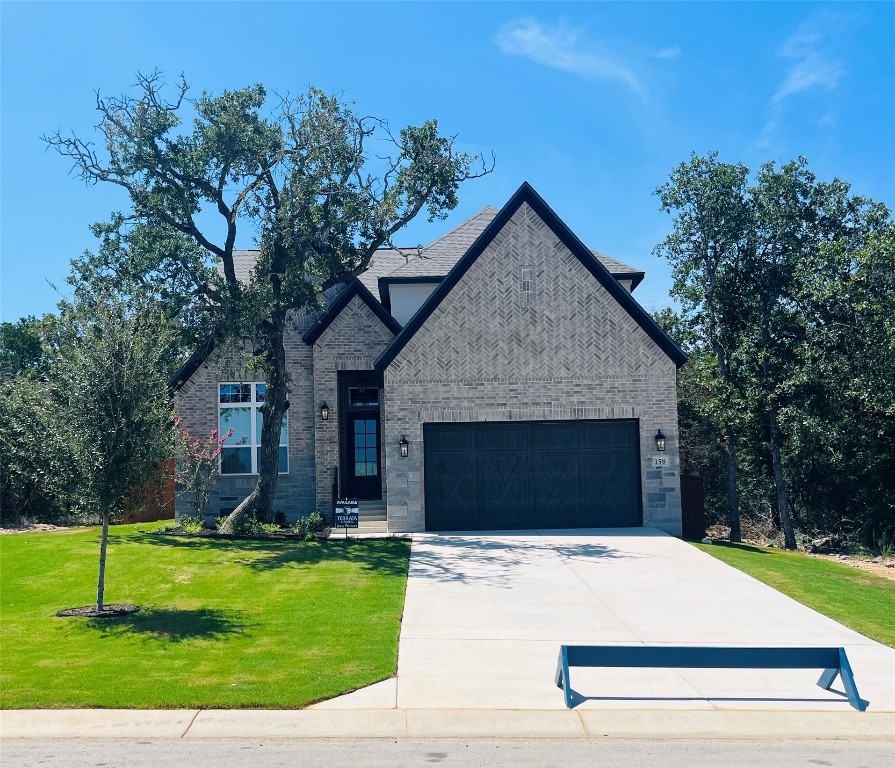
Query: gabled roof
x,y
355,288
527,194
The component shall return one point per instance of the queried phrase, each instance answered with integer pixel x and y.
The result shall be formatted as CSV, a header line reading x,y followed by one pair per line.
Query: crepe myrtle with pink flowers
x,y
197,464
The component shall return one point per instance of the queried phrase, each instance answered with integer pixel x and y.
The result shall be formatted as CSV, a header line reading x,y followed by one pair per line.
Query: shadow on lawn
x,y
172,624
384,556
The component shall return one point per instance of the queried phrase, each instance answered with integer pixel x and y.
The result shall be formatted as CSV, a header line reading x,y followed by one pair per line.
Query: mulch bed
x,y
90,612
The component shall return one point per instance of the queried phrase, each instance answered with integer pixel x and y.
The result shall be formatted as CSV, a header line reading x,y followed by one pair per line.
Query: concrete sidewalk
x,y
455,723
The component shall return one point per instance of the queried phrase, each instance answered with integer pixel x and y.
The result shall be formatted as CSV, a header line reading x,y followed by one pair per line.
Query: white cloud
x,y
812,67
667,53
560,47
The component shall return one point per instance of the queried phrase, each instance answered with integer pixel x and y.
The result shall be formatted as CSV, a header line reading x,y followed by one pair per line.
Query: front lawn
x,y
862,601
223,623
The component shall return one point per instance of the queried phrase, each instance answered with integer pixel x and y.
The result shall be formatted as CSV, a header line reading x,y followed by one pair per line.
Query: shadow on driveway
x,y
488,557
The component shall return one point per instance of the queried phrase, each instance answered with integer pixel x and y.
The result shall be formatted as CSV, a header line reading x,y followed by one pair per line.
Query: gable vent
x,y
526,286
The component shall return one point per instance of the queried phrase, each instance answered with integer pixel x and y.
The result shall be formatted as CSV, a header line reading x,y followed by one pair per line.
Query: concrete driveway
x,y
486,613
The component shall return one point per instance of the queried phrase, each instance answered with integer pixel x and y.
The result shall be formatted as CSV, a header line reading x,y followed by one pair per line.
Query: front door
x,y
363,456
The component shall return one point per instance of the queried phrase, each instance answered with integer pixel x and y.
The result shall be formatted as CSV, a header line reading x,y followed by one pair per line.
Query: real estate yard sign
x,y
346,514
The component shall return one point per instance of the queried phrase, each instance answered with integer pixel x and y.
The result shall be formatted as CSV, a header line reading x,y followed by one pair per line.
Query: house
x,y
503,377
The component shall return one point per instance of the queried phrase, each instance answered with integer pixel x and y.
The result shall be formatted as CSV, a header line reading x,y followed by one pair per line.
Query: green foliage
x,y
114,395
191,525
788,295
22,346
40,469
321,187
222,623
310,527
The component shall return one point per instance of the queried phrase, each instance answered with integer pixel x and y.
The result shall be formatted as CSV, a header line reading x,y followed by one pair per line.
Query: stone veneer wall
x,y
574,353
197,404
352,342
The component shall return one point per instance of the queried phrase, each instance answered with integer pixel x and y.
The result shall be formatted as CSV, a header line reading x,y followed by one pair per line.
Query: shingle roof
x,y
439,257
433,260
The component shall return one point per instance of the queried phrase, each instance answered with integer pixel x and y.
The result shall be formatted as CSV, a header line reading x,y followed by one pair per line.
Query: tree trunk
x,y
101,581
260,501
789,537
730,445
733,497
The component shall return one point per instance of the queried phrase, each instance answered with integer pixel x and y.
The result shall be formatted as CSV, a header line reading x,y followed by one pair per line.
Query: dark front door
x,y
505,475
363,473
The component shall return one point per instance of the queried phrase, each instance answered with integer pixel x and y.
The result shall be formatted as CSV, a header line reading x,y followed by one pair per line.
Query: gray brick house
x,y
504,377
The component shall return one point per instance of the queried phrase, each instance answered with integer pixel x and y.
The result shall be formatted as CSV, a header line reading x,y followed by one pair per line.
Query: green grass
x,y
858,599
223,623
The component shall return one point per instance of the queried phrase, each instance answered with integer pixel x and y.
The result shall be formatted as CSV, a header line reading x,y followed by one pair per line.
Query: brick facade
x,y
351,343
198,407
564,349
572,353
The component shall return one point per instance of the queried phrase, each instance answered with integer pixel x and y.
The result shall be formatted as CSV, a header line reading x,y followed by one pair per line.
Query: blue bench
x,y
832,661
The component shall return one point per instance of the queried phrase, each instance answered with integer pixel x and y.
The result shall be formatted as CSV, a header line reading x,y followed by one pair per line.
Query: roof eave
x,y
355,288
527,194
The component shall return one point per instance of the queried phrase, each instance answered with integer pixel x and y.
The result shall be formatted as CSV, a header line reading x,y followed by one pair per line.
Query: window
x,y
363,396
526,286
239,409
366,449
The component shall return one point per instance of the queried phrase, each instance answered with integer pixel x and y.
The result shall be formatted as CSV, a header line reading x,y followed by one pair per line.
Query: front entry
x,y
364,480
361,435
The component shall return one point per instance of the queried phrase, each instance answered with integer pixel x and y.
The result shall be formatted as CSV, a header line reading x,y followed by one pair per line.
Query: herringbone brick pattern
x,y
572,353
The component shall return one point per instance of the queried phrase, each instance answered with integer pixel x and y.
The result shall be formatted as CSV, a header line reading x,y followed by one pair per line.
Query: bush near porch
x,y
223,623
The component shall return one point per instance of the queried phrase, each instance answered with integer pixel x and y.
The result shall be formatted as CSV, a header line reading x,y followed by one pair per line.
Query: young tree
x,y
110,384
319,186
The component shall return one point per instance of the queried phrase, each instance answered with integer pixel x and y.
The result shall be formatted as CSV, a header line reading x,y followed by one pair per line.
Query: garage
x,y
543,474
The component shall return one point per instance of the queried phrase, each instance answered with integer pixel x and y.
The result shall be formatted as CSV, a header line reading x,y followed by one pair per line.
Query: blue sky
x,y
593,103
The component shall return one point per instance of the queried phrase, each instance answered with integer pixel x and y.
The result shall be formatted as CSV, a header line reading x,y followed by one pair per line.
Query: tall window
x,y
239,409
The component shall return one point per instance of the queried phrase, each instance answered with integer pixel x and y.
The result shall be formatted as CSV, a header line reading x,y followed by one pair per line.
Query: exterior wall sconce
x,y
324,411
660,441
405,447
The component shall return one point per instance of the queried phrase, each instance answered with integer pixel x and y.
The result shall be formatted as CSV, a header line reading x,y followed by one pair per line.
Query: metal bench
x,y
832,661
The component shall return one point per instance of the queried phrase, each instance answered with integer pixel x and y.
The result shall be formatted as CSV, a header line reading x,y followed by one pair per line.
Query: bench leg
x,y
562,675
848,682
827,678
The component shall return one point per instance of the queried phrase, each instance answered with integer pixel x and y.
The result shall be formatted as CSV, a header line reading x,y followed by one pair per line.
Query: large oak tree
x,y
318,186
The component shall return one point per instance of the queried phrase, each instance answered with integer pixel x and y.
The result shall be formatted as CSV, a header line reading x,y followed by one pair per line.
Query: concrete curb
x,y
445,723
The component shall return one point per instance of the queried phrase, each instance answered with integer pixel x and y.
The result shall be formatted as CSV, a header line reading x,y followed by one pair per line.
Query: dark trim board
x,y
191,365
355,288
511,475
527,194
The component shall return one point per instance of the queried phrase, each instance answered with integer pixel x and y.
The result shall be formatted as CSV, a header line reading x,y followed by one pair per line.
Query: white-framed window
x,y
239,409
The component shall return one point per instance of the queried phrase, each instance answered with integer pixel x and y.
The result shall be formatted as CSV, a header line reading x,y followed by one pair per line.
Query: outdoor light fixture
x,y
660,441
405,447
324,411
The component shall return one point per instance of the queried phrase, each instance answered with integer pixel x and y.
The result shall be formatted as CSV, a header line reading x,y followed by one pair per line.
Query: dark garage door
x,y
546,474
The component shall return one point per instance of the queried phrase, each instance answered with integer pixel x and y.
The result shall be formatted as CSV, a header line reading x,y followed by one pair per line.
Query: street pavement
x,y
454,753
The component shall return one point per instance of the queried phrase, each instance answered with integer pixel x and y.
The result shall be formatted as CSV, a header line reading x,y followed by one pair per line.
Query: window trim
x,y
253,404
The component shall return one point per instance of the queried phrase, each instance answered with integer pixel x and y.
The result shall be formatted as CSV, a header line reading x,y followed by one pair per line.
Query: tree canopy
x,y
318,186
788,312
